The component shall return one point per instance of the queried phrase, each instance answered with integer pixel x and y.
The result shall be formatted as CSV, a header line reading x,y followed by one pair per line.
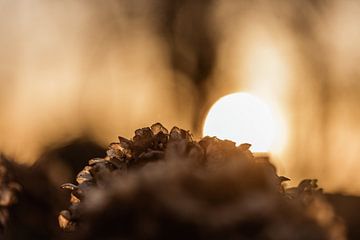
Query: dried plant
x,y
162,185
8,192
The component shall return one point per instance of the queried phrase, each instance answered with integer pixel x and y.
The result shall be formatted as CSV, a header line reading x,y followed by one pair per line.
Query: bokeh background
x,y
98,69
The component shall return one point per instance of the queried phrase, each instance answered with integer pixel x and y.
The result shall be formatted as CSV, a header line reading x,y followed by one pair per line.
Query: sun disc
x,y
242,118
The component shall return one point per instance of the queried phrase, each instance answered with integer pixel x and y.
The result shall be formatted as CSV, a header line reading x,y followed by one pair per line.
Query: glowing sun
x,y
242,118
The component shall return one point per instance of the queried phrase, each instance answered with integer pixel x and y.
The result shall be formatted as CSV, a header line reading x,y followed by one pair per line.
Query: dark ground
x,y
348,208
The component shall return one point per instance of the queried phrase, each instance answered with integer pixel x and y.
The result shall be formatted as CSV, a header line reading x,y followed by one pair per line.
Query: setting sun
x,y
242,118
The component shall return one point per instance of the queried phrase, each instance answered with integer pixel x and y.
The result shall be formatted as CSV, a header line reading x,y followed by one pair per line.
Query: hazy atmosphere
x,y
71,69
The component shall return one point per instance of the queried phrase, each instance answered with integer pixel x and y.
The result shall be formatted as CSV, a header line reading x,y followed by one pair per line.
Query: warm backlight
x,y
242,118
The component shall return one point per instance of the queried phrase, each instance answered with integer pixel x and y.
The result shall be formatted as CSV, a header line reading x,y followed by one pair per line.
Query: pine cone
x,y
162,185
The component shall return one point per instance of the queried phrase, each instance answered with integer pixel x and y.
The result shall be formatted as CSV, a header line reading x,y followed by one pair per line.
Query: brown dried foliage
x,y
165,185
8,192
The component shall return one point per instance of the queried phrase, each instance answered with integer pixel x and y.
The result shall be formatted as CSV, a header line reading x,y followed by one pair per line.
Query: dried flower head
x,y
165,185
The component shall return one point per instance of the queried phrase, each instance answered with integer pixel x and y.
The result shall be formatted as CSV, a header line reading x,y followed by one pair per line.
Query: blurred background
x,y
98,69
